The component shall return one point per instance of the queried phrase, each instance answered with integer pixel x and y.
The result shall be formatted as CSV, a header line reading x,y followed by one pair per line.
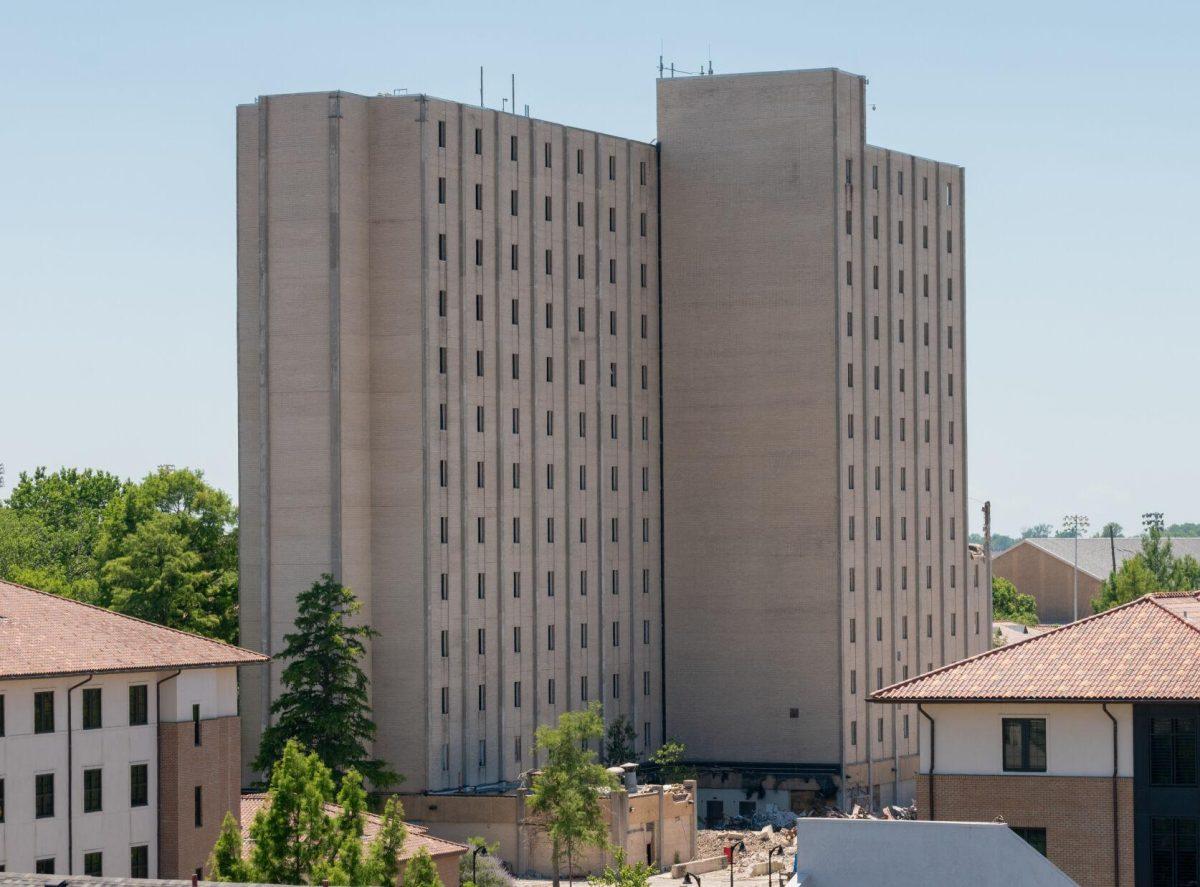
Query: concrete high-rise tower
x,y
450,398
448,390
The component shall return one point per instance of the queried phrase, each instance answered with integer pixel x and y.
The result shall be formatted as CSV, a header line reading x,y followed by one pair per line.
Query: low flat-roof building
x,y
1045,568
1083,739
120,746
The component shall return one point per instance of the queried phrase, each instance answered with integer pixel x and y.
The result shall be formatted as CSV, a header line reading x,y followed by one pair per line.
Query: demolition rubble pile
x,y
760,842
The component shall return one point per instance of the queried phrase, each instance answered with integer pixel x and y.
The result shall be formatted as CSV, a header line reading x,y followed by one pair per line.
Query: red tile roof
x,y
44,634
1143,650
418,836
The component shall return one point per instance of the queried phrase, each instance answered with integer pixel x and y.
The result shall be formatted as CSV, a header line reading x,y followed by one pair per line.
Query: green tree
x,y
619,746
1009,605
298,837
292,834
1111,529
164,549
1154,568
1181,531
622,874
669,761
52,522
1037,531
485,870
226,863
382,865
421,872
172,523
324,704
566,792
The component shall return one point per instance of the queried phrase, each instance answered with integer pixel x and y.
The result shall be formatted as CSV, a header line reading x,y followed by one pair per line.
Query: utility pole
x,y
1076,524
987,559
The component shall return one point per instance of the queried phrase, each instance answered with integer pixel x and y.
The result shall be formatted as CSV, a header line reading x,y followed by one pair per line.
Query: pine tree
x,y
421,872
566,791
382,865
324,705
292,834
225,863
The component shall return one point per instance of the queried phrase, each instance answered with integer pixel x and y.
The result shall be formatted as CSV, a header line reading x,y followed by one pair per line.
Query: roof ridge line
x,y
71,600
994,650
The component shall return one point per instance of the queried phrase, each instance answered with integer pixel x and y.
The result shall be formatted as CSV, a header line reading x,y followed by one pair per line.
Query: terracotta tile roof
x,y
43,634
418,836
1142,650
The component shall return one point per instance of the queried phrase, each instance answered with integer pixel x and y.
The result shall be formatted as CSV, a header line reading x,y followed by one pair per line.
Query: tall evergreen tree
x,y
324,706
421,872
382,862
566,792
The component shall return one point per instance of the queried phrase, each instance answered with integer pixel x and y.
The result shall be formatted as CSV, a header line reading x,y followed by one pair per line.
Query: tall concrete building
x,y
448,388
449,385
814,431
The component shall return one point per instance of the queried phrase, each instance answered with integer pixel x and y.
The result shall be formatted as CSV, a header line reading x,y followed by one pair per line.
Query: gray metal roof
x,y
1095,555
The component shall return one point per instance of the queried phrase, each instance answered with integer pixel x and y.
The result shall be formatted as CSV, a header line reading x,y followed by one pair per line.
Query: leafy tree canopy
x,y
1009,605
1037,531
1180,531
298,839
1154,568
622,874
566,792
1111,529
163,549
669,760
324,705
620,741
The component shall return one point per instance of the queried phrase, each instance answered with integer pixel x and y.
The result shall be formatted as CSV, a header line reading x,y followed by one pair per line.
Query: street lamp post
x,y
1076,524
777,849
689,878
740,845
475,851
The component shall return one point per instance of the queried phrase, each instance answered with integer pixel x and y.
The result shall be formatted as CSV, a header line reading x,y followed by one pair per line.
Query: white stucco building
x,y
119,740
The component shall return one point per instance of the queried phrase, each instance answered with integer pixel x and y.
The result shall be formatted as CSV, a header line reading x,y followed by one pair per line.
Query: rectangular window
x,y
513,203
478,251
139,785
516,694
44,866
550,691
481,693
545,153
43,712
441,189
479,197
549,208
93,863
139,861
612,168
93,791
479,306
642,173
442,247
642,224
43,785
512,147
1173,751
1024,744
441,130
516,639
579,161
478,141
91,708
441,303
1035,838
198,806
1173,851
612,218
481,641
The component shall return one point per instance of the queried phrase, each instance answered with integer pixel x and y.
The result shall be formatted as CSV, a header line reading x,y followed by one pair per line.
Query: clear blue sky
x,y
1076,122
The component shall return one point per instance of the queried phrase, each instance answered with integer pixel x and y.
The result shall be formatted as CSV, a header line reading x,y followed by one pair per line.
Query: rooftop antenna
x,y
504,104
660,66
481,86
514,93
709,60
526,110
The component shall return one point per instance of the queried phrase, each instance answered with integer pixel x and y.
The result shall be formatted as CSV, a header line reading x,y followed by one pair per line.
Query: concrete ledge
x,y
698,866
760,868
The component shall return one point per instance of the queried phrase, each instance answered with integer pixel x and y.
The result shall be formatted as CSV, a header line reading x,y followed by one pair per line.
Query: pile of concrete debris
x,y
890,811
711,842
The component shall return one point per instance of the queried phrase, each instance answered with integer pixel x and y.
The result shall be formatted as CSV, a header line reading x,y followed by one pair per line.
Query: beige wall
x,y
655,825
356,445
816,521
1049,579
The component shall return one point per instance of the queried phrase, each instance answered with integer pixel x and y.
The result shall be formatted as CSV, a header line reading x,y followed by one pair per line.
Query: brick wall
x,y
1075,811
215,765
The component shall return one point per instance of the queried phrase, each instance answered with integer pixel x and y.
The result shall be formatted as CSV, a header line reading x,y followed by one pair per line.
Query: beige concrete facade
x,y
448,389
654,824
448,327
814,426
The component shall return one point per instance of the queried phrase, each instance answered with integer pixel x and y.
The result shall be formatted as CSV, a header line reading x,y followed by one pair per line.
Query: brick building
x,y
119,740
1083,739
581,417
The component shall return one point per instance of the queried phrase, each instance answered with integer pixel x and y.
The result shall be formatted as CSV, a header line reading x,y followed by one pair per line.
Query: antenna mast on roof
x,y
481,86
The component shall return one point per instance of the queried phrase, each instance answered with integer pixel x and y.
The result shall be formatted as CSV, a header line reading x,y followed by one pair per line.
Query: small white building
x,y
1083,740
119,740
